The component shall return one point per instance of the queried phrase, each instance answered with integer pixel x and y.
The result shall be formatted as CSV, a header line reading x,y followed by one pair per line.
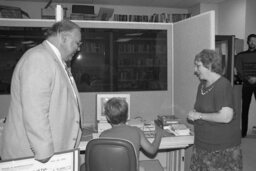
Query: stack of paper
x,y
180,129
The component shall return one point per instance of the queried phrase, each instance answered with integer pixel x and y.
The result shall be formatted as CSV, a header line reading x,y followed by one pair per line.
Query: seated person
x,y
116,111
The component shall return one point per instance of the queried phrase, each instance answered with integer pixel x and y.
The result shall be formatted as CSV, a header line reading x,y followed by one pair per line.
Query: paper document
x,y
64,161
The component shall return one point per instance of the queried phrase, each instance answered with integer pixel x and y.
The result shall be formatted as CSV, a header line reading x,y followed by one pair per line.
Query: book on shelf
x,y
179,17
131,18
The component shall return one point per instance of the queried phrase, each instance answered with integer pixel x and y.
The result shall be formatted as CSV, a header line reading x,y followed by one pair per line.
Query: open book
x,y
63,161
179,129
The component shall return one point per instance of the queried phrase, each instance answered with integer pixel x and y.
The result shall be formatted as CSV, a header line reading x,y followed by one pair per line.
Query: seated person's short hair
x,y
116,109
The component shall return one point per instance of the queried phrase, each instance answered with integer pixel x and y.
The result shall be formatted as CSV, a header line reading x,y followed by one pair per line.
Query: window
x,y
110,60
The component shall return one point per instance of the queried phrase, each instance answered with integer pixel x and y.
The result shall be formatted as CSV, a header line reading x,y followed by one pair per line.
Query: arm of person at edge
x,y
152,148
225,115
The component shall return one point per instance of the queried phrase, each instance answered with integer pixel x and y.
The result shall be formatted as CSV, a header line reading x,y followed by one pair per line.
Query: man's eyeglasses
x,y
79,43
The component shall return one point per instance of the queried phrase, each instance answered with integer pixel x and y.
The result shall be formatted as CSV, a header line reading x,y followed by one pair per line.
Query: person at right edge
x,y
217,143
246,68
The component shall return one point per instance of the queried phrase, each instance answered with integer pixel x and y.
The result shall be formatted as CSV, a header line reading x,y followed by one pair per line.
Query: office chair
x,y
107,154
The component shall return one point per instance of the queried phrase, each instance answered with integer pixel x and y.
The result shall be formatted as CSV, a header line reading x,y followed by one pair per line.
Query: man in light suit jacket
x,y
45,111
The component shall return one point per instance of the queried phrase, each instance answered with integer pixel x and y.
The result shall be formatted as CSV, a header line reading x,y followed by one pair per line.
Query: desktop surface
x,y
168,141
173,146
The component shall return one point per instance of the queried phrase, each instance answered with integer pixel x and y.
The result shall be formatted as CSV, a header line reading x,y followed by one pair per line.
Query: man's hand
x,y
44,160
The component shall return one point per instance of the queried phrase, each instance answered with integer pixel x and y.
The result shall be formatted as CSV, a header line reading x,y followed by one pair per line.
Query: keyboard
x,y
151,134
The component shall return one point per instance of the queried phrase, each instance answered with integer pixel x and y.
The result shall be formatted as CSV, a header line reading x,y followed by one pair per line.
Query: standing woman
x,y
216,125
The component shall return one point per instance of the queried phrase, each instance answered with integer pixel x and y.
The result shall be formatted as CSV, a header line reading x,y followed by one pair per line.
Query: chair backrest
x,y
107,154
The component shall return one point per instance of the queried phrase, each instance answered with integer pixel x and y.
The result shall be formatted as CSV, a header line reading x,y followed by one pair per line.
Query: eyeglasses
x,y
79,43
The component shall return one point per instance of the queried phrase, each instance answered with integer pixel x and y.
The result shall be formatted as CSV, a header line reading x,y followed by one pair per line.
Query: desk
x,y
173,146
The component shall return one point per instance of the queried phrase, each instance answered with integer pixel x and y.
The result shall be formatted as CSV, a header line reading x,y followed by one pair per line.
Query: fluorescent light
x,y
27,42
133,34
123,40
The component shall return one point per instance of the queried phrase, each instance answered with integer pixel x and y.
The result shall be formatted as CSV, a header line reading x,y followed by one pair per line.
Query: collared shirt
x,y
245,63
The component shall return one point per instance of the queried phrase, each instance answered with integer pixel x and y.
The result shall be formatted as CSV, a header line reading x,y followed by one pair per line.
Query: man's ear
x,y
63,37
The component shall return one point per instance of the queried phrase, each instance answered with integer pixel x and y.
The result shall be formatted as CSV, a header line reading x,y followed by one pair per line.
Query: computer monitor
x,y
103,98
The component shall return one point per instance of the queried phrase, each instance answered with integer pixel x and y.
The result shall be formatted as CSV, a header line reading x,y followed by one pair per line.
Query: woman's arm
x,y
225,115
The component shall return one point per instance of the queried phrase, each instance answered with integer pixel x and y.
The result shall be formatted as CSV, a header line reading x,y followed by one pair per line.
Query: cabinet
x,y
228,46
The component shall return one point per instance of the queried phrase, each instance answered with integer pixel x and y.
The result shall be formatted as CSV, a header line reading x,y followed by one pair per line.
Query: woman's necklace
x,y
205,90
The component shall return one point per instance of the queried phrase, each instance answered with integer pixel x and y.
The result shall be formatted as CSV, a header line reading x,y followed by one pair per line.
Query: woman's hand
x,y
194,115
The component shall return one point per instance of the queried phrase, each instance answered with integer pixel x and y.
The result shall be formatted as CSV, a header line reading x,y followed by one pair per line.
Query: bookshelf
x,y
140,63
156,18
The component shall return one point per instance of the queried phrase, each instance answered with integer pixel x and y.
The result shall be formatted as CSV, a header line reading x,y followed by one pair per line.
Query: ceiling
x,y
185,4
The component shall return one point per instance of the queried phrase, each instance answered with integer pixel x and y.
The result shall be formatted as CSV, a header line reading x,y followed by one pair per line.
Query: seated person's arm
x,y
151,148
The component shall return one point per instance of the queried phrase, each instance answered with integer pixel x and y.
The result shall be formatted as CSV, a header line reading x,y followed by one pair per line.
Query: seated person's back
x,y
116,111
126,132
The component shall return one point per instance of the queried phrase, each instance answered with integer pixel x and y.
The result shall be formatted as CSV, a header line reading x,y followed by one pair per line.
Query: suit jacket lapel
x,y
49,49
